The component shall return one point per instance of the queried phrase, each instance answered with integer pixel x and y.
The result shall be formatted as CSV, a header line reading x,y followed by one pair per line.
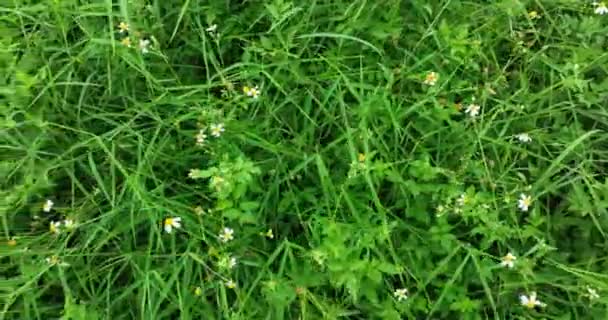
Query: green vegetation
x,y
303,159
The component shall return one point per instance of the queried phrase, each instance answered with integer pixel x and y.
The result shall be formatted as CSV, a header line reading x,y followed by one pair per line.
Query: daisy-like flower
x,y
126,42
123,27
508,260
523,137
54,227
173,222
226,235
230,284
431,78
201,137
400,294
524,202
530,301
212,28
217,129
69,224
253,92
592,293
55,261
601,8
472,110
48,205
144,45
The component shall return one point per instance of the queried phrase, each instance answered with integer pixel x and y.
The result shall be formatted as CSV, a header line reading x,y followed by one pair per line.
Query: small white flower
x,y
400,294
170,223
226,235
592,293
144,45
217,129
530,301
54,227
523,137
69,224
431,78
231,262
472,110
601,8
123,27
508,260
230,284
462,200
201,137
48,205
212,28
524,202
253,92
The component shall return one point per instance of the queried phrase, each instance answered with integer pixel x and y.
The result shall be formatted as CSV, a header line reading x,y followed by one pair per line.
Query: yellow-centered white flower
x,y
508,260
524,202
172,223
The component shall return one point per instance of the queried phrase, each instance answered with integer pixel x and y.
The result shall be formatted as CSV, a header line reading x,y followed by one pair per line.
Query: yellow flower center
x,y
169,221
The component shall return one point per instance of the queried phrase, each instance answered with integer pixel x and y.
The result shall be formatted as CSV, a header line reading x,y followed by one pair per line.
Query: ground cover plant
x,y
303,159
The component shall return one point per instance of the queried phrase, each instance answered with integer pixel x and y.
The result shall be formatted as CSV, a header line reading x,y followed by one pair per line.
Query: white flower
x,y
592,293
55,261
601,8
123,27
230,284
201,137
462,200
48,205
253,92
431,78
524,202
508,260
530,301
523,137
226,235
54,227
400,294
212,28
195,173
144,45
472,110
69,224
231,262
217,129
170,223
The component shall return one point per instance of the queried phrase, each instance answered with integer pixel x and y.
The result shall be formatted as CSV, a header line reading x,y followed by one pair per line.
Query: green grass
x,y
347,179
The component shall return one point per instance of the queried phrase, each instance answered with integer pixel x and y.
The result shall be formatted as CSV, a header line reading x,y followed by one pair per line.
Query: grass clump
x,y
303,160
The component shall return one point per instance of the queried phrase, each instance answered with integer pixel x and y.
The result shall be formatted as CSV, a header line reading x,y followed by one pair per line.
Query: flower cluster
x,y
143,43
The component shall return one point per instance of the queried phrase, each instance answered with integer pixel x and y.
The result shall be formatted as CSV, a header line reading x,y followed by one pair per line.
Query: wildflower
x,y
530,301
269,234
524,202
201,137
54,227
439,210
230,284
198,291
170,223
253,92
217,129
144,45
508,260
55,261
123,27
431,78
400,294
231,262
472,110
533,15
523,137
12,242
212,28
69,224
48,205
601,8
462,200
361,157
226,235
592,293
126,42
